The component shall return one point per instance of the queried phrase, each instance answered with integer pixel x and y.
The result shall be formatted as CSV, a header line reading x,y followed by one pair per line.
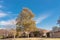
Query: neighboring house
x,y
6,33
12,33
39,33
44,32
3,32
55,33
52,34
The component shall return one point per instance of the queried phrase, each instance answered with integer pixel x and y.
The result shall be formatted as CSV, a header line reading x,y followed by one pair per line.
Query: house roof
x,y
43,30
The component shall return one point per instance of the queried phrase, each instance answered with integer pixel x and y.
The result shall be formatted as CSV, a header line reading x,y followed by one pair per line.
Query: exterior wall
x,y
55,34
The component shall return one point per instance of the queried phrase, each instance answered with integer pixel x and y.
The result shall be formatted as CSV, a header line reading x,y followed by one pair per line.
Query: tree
x,y
25,21
58,22
55,28
36,34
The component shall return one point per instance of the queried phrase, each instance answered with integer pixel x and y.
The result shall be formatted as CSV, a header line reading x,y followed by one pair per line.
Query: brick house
x,y
3,32
6,33
44,32
55,33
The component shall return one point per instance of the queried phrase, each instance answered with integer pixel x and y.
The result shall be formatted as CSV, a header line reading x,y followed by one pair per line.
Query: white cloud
x,y
8,14
9,22
2,28
41,18
2,14
44,16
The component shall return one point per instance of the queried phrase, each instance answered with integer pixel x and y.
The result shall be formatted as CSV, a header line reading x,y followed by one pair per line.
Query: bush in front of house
x,y
1,36
36,34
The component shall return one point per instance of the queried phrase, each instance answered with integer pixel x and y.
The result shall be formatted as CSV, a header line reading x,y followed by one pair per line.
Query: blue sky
x,y
46,12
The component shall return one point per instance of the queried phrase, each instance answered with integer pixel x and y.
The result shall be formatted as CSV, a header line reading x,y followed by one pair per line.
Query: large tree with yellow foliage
x,y
25,21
